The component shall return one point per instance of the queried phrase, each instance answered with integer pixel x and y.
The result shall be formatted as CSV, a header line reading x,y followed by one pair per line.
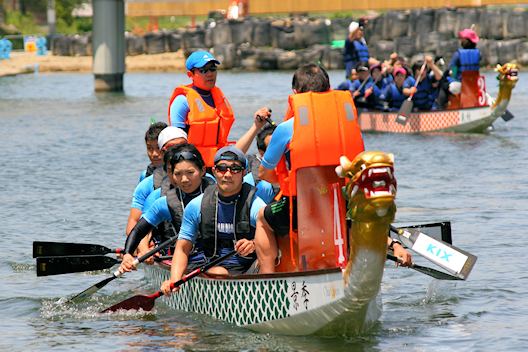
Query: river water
x,y
69,162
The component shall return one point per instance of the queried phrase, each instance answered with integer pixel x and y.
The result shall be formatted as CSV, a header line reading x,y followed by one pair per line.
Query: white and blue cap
x,y
199,59
230,152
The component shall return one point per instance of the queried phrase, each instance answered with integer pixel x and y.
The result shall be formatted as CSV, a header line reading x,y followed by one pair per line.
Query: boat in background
x,y
457,119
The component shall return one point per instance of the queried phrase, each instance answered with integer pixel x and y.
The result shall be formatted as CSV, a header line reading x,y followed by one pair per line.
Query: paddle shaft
x,y
418,79
94,288
147,302
425,270
195,272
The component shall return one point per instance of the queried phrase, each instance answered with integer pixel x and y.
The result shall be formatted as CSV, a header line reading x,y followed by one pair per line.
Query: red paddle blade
x,y
135,303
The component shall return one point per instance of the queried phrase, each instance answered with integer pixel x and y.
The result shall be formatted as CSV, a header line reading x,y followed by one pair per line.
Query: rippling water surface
x,y
70,159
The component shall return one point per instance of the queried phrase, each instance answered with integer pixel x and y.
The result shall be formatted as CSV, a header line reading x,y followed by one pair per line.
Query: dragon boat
x,y
477,116
329,276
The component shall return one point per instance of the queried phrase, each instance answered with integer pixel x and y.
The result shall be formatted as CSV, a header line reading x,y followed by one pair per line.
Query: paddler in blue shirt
x,y
167,138
153,151
356,49
224,218
394,93
425,94
364,91
189,180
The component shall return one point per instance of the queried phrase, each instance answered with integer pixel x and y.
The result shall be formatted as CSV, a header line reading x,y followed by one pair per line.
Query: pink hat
x,y
399,70
468,34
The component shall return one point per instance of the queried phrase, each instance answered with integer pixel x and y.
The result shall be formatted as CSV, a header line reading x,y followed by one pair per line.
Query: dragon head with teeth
x,y
372,187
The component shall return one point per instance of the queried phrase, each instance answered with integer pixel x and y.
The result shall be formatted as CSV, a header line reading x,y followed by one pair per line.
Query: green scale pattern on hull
x,y
242,302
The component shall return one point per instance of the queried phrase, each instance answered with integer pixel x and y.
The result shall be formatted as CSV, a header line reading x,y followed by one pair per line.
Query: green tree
x,y
64,9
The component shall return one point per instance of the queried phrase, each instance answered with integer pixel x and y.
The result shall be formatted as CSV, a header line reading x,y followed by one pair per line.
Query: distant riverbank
x,y
22,62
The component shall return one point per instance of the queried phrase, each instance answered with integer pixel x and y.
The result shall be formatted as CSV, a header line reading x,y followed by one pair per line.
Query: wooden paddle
x,y
94,288
54,249
455,260
440,275
406,108
147,302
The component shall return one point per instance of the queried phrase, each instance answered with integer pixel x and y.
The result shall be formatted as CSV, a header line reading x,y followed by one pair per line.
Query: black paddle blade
x,y
91,290
136,303
65,265
54,249
405,112
507,116
440,275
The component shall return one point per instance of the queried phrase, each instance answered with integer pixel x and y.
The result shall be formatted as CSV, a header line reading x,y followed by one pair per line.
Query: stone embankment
x,y
258,43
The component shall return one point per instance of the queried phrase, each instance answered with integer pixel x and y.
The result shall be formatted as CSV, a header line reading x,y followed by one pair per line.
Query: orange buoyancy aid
x,y
325,128
208,127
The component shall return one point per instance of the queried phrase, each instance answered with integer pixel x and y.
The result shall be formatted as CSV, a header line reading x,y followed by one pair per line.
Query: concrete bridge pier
x,y
108,39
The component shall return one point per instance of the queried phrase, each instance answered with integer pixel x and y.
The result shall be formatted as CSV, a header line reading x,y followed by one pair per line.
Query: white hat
x,y
353,27
170,133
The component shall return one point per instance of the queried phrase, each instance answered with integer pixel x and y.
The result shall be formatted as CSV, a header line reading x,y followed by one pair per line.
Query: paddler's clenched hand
x,y
127,264
166,288
404,257
245,247
261,116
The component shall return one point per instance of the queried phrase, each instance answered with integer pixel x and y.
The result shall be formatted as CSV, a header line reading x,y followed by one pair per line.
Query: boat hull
x,y
471,120
314,302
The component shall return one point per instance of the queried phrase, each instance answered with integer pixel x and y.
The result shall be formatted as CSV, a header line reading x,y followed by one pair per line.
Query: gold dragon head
x,y
508,73
371,190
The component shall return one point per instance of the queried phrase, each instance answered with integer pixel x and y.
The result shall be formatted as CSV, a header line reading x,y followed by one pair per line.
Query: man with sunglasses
x,y
200,108
222,218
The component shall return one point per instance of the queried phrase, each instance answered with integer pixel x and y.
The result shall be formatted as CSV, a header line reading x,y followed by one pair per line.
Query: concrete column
x,y
108,40
51,17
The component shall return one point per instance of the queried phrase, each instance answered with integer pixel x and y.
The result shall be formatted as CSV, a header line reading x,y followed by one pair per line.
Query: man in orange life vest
x,y
276,165
200,108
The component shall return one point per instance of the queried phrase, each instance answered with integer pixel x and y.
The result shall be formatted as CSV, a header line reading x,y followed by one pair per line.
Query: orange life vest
x,y
325,128
208,127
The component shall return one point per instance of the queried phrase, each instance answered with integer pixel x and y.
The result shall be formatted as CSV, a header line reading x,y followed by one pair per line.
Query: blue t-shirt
x,y
142,191
179,110
225,229
278,145
142,176
157,212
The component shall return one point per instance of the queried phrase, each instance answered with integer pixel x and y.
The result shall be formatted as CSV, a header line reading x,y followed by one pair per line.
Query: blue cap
x,y
199,59
230,152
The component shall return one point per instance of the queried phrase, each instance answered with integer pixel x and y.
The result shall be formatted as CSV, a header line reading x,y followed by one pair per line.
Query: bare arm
x,y
179,264
245,141
437,72
133,218
267,175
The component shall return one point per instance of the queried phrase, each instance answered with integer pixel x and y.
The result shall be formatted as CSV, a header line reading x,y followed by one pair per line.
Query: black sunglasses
x,y
184,156
204,70
235,169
